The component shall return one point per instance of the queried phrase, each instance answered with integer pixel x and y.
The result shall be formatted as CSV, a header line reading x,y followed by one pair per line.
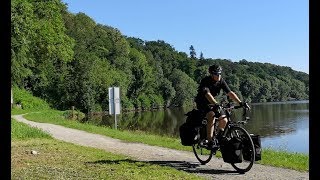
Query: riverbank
x,y
180,160
296,161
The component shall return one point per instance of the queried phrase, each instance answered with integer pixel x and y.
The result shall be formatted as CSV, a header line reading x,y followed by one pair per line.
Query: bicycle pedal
x,y
204,143
196,137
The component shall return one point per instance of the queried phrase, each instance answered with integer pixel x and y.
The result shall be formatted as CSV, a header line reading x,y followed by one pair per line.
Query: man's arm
x,y
210,98
234,97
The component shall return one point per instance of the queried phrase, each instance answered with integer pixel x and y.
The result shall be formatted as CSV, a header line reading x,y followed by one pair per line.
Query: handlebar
x,y
229,107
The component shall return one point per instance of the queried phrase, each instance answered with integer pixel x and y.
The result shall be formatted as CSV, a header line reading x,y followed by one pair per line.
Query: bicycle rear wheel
x,y
247,162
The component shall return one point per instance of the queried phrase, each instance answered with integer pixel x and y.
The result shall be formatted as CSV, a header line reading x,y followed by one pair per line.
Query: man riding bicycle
x,y
210,86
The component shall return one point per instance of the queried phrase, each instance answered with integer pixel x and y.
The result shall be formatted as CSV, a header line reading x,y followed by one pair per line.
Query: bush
x,y
77,115
27,100
127,103
96,108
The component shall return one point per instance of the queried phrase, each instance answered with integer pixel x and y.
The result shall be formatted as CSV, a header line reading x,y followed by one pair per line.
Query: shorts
x,y
205,108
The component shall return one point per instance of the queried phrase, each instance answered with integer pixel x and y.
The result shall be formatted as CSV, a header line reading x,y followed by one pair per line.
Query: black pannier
x,y
257,145
195,117
189,130
231,150
188,134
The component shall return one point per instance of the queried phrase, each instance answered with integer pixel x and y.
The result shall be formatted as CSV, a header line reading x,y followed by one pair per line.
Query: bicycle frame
x,y
232,129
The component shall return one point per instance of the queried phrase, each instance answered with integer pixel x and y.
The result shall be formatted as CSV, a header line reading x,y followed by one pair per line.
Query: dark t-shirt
x,y
214,87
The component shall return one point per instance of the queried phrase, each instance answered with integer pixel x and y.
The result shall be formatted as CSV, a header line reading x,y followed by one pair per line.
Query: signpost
x,y
114,103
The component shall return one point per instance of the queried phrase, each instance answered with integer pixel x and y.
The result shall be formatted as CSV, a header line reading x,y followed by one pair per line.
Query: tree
x,y
142,74
22,34
200,73
249,87
40,47
167,91
193,54
185,87
201,56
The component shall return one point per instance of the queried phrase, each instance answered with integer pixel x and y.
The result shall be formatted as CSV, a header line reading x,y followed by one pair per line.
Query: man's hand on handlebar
x,y
215,107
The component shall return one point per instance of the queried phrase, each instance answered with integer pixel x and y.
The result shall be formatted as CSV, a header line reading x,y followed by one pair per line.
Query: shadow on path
x,y
192,167
179,165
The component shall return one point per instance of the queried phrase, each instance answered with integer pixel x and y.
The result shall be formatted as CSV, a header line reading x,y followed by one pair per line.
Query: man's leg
x,y
221,126
210,124
222,122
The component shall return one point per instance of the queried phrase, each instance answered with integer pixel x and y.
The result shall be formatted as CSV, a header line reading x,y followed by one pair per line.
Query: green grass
x,y
27,100
297,161
16,111
283,159
60,160
22,131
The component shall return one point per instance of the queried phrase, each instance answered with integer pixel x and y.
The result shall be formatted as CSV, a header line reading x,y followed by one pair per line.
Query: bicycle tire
x,y
202,154
245,165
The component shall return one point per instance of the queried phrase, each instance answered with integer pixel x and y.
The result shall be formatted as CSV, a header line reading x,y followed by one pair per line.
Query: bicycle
x,y
232,130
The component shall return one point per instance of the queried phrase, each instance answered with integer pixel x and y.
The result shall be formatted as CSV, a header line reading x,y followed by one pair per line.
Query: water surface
x,y
281,125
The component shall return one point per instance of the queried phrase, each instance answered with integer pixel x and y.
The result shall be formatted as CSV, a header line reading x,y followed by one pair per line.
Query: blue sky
x,y
269,31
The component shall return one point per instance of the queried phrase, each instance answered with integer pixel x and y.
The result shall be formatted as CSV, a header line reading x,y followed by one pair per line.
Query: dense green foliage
x,y
70,60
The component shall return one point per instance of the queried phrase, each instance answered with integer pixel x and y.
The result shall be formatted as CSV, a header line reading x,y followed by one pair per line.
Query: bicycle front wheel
x,y
202,154
248,150
199,149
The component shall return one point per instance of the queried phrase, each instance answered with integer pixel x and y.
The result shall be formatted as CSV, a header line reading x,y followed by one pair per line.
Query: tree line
x,y
70,60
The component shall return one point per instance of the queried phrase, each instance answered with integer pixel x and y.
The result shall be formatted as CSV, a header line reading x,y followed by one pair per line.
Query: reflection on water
x,y
282,125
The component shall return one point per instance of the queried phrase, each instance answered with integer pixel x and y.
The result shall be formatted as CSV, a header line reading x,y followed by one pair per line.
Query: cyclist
x,y
210,86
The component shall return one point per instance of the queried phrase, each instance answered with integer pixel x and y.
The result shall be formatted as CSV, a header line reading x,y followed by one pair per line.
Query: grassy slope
x,y
59,160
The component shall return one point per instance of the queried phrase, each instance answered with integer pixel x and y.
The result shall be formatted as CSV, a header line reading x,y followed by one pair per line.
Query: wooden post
x,y
72,108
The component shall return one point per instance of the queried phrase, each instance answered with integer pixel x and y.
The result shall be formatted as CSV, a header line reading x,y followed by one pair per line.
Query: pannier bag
x,y
195,117
188,134
189,130
231,150
257,146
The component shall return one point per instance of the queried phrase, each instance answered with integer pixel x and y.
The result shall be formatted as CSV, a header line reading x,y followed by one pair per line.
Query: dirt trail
x,y
182,160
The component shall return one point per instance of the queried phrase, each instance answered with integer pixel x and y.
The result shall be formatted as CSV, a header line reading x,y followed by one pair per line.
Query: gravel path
x,y
182,160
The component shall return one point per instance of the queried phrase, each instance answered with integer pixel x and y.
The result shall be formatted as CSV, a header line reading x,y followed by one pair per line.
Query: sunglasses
x,y
216,73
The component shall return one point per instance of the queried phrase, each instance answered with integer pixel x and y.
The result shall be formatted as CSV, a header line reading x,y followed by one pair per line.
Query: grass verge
x,y
296,161
60,160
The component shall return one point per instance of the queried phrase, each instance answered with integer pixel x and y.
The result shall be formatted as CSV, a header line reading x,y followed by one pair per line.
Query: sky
x,y
271,31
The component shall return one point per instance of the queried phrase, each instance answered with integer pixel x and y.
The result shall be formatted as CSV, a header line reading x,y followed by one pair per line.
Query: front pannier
x,y
231,150
257,146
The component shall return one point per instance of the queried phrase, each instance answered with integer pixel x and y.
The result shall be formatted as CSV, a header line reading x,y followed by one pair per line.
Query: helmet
x,y
215,69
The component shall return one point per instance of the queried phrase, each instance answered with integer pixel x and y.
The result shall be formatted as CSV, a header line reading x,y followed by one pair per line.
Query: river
x,y
281,125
